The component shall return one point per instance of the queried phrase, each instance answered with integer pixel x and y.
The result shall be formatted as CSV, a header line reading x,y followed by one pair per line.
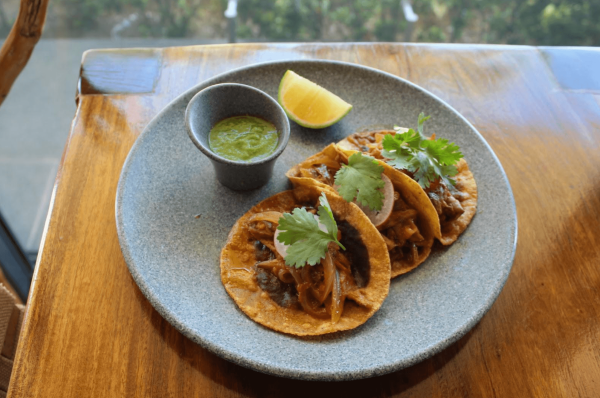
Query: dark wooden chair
x,y
15,53
11,320
20,42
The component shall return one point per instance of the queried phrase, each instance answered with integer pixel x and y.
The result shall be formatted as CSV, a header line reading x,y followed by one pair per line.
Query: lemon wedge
x,y
309,104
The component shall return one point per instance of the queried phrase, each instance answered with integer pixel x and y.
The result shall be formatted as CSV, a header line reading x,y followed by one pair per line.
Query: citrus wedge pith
x,y
309,104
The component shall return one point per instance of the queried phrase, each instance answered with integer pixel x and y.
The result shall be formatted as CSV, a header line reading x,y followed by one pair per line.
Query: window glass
x,y
536,22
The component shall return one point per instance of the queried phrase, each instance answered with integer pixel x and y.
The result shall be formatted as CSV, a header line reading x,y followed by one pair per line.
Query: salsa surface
x,y
243,138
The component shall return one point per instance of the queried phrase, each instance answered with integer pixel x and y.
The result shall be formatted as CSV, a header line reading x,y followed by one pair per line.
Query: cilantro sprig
x,y
300,230
361,179
428,159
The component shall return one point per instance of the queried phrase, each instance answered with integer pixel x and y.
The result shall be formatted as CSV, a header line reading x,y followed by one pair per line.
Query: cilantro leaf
x,y
361,179
421,122
326,218
447,153
425,172
308,251
307,243
300,230
397,152
428,159
296,225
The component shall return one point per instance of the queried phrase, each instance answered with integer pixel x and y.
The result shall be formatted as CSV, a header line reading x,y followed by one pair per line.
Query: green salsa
x,y
243,138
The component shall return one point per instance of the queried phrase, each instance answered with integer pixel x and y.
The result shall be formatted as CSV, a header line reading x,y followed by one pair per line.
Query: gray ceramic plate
x,y
174,256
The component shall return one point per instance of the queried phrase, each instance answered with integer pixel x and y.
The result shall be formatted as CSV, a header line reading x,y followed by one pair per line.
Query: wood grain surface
x,y
89,332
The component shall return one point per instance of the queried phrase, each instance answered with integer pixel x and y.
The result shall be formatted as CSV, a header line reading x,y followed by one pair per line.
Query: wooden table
x,y
89,332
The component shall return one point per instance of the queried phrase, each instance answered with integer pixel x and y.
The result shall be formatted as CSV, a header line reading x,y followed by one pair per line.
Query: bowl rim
x,y
283,138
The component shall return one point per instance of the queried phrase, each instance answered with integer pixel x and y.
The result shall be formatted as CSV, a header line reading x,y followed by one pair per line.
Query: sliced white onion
x,y
378,217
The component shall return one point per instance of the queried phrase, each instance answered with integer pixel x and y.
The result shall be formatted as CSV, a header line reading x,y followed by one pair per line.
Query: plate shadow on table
x,y
259,385
254,384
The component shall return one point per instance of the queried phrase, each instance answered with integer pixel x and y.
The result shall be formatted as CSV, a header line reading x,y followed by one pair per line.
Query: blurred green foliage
x,y
173,18
80,15
536,22
309,20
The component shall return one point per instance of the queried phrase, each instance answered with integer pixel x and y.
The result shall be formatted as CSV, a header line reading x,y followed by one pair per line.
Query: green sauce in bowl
x,y
243,138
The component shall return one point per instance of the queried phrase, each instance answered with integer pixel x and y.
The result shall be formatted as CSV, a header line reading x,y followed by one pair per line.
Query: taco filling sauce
x,y
356,252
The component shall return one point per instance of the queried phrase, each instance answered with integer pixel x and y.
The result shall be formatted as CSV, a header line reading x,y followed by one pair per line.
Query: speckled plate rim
x,y
367,371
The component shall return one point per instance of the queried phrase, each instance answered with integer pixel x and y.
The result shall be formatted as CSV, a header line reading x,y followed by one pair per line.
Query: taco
x,y
455,205
339,293
407,222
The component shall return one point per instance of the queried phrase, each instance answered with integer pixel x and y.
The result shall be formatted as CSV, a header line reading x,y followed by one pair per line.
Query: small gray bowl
x,y
221,101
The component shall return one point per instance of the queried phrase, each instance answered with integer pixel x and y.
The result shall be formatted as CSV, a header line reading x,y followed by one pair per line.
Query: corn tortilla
x,y
239,277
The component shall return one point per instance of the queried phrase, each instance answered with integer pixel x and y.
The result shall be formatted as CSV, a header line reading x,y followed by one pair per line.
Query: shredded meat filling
x,y
402,235
319,290
446,201
368,142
